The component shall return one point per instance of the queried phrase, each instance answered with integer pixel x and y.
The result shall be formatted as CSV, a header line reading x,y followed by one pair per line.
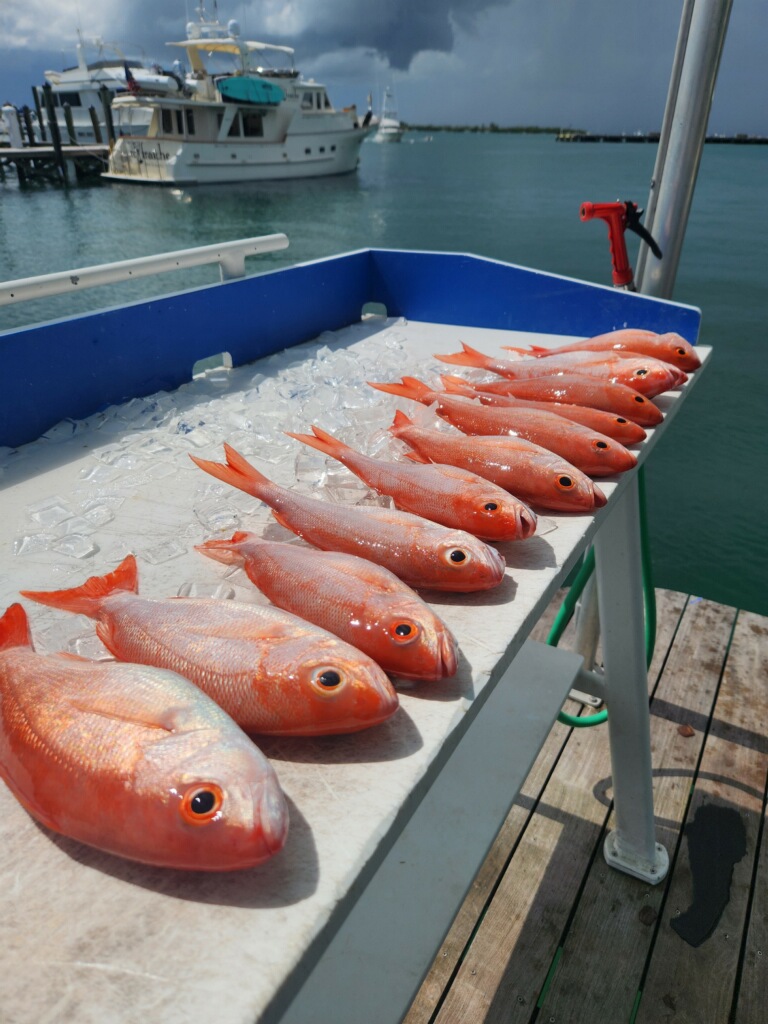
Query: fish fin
x,y
281,519
409,387
238,472
458,386
467,357
401,420
416,457
532,349
87,598
225,551
14,628
323,442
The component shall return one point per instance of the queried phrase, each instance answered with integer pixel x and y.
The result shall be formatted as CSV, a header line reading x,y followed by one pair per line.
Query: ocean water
x,y
509,197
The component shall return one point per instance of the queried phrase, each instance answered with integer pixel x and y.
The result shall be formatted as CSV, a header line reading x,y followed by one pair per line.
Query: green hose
x,y
567,608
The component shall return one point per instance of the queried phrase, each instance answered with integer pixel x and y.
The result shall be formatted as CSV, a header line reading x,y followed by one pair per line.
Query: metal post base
x,y
653,872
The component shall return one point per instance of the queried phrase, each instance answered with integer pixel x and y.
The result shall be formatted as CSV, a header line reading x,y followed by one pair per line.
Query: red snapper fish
x,y
648,376
591,452
271,671
580,390
422,553
618,427
363,603
669,348
441,493
535,474
135,761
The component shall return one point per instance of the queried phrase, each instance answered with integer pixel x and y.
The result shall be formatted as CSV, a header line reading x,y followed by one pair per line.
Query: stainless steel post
x,y
697,59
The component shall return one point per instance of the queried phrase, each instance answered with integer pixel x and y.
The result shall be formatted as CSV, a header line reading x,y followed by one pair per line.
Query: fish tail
x,y
457,386
467,357
238,472
86,599
323,442
226,551
14,628
409,387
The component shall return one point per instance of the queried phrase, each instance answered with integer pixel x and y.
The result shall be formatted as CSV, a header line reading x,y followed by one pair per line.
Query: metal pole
x,y
697,59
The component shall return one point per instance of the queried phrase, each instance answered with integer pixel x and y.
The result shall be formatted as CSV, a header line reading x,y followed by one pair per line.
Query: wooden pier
x,y
65,165
549,933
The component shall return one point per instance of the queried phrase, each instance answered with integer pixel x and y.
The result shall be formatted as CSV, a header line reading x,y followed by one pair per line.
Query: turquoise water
x,y
509,197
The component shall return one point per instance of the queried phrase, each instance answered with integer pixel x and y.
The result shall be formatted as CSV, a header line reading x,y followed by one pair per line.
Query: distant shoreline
x,y
579,135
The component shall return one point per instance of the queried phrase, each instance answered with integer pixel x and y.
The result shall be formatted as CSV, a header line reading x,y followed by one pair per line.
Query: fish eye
x,y
639,399
681,351
404,631
620,419
641,373
490,506
201,803
600,445
327,680
457,556
566,482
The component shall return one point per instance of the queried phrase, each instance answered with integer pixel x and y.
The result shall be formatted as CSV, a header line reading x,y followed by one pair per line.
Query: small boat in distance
x,y
389,127
250,123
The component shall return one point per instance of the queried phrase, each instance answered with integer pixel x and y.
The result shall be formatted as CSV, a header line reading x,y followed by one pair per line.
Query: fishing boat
x,y
251,122
389,128
81,95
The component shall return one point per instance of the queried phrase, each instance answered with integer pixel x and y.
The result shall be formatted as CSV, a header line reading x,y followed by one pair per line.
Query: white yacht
x,y
252,122
80,88
389,127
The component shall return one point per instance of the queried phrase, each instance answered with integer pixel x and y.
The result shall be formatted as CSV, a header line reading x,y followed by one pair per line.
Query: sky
x,y
599,65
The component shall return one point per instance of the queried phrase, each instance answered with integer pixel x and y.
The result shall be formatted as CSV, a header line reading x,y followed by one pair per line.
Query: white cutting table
x,y
389,826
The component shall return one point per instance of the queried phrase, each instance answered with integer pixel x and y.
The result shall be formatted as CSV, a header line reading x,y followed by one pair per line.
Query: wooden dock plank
x,y
613,923
507,964
451,950
670,607
695,985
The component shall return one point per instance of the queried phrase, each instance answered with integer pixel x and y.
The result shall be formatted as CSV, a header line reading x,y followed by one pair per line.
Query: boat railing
x,y
230,256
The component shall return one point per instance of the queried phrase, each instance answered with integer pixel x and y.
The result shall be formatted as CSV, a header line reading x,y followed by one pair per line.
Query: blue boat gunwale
x,y
73,367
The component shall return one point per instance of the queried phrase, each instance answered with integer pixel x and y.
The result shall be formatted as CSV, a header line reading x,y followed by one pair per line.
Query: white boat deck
x,y
89,937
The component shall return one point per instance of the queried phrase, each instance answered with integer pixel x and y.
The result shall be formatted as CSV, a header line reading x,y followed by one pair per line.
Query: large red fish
x,y
589,451
580,390
444,494
670,348
133,760
422,553
618,427
538,476
362,603
271,671
648,376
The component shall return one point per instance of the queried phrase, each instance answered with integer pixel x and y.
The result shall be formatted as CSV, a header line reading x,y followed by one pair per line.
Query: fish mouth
x,y
527,523
273,817
599,499
448,657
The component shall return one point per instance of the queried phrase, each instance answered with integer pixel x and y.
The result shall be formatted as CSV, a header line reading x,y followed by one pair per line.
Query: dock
x,y
64,164
548,932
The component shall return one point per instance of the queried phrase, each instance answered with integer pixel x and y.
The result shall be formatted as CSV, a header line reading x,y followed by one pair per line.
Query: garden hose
x,y
567,608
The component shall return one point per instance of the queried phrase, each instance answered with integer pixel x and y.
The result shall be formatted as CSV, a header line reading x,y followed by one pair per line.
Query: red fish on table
x,y
444,494
538,476
363,603
618,427
273,672
591,452
135,761
669,348
422,553
644,374
579,390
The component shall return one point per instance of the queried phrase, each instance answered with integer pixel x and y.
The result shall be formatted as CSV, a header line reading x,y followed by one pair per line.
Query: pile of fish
x,y
150,757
